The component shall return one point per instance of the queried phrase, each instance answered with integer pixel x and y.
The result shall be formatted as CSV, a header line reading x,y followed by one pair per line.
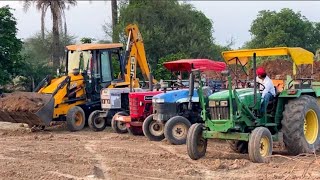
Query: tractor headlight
x,y
157,100
212,103
223,103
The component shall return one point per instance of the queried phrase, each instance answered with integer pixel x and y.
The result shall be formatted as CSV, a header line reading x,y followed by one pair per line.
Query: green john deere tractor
x,y
293,116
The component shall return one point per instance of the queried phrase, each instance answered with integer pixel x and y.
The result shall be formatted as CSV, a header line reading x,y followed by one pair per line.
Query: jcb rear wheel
x,y
97,123
118,126
196,143
300,125
152,129
176,130
76,118
260,145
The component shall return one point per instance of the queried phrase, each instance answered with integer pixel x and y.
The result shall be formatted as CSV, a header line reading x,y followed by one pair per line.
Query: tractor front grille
x,y
133,105
219,112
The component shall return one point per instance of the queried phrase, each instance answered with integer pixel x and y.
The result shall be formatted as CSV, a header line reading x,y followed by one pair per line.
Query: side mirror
x,y
225,73
58,72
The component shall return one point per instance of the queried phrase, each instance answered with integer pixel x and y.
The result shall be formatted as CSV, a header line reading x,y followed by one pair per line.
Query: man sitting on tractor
x,y
267,88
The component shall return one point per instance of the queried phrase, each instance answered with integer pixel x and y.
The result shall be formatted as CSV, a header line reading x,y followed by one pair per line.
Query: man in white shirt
x,y
268,90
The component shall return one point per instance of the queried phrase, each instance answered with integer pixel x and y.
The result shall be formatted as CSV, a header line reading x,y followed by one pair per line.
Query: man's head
x,y
261,73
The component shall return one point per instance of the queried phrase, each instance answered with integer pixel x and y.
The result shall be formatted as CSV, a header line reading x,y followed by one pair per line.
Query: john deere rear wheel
x,y
75,118
118,126
260,145
300,125
196,144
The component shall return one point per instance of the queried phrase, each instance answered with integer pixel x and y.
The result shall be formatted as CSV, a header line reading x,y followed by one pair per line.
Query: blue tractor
x,y
172,115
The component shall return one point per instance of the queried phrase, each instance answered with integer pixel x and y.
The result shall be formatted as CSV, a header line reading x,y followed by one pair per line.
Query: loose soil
x,y
21,102
59,154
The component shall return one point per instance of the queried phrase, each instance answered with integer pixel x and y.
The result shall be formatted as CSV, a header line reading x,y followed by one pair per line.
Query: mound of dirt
x,y
21,102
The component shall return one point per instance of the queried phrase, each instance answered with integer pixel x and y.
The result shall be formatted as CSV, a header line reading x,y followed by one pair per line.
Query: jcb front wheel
x,y
196,143
119,126
260,145
97,123
76,118
152,129
300,125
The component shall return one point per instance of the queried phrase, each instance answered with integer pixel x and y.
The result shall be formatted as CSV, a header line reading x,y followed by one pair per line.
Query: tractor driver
x,y
268,90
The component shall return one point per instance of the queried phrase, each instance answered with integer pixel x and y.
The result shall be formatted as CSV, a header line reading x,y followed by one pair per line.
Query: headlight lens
x,y
212,103
157,100
223,103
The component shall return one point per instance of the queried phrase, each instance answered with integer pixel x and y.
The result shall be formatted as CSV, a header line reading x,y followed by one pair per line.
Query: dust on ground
x,y
59,154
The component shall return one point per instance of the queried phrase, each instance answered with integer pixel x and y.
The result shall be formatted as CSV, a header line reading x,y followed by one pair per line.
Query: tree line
x,y
170,29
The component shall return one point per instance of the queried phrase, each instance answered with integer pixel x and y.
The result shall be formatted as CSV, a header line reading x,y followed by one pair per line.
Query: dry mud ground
x,y
59,154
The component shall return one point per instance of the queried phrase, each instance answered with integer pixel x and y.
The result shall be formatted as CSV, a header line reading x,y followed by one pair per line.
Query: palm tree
x,y
57,8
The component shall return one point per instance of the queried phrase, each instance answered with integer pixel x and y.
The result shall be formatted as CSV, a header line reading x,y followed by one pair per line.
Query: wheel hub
x,y
156,128
311,126
121,125
264,146
78,119
179,131
99,122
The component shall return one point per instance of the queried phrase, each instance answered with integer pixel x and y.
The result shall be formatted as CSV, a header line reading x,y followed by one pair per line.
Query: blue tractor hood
x,y
176,95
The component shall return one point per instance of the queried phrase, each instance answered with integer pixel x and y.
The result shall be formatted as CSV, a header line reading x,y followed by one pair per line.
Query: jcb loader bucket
x,y
20,111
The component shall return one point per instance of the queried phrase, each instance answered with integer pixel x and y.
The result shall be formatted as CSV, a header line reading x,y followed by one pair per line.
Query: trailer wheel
x,y
97,123
300,125
260,145
152,129
75,118
136,131
176,130
118,126
196,143
238,146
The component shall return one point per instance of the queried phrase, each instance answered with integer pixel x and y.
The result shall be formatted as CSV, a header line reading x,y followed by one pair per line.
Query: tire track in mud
x,y
101,170
208,174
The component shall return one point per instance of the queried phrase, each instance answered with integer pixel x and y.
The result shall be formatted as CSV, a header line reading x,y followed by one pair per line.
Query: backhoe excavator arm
x,y
137,54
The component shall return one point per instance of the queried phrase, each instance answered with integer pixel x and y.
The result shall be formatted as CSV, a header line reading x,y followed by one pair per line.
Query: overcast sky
x,y
231,19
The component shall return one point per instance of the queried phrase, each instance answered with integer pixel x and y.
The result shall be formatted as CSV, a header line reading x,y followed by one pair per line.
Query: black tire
x,y
293,125
260,145
196,144
176,130
118,126
97,123
76,119
238,146
136,131
152,129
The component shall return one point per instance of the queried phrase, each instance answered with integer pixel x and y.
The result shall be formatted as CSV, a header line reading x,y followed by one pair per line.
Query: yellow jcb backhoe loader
x,y
74,96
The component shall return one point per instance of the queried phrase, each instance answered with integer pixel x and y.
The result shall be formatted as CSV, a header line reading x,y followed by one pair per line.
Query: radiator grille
x,y
219,113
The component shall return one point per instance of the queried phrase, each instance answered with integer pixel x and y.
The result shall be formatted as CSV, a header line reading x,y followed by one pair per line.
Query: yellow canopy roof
x,y
83,47
298,55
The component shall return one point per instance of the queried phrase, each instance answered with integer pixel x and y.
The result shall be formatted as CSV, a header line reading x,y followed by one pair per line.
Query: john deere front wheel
x,y
196,143
260,145
300,125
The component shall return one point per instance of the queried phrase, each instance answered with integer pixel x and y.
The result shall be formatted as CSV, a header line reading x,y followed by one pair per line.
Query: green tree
x,y
37,52
10,46
169,27
161,72
57,9
284,28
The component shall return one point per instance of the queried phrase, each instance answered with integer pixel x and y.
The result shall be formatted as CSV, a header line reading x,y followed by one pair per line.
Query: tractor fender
x,y
286,94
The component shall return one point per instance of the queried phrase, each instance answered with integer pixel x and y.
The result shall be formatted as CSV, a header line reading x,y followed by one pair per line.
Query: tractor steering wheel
x,y
258,86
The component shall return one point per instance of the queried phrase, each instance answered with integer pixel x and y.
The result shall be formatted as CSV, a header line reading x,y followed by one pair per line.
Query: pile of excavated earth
x,y
21,102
